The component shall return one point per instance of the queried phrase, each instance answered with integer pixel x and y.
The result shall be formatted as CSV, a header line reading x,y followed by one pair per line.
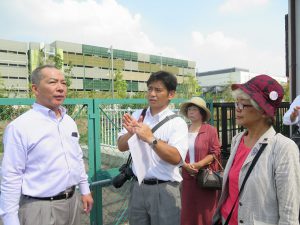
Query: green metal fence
x,y
78,109
113,201
99,121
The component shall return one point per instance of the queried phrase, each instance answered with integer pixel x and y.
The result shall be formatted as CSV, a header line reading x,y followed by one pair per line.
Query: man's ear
x,y
34,88
171,94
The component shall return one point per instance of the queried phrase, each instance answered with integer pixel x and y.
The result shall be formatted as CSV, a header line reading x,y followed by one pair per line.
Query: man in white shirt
x,y
42,161
291,117
157,200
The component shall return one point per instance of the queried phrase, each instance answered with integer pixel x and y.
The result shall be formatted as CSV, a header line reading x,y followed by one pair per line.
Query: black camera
x,y
125,174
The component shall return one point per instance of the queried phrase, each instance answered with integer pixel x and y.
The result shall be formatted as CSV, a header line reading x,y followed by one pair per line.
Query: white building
x,y
217,80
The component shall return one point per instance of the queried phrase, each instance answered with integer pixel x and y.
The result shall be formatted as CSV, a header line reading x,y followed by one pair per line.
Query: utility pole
x,y
111,52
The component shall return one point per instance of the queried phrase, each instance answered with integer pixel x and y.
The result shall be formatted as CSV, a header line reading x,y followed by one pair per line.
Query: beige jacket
x,y
271,194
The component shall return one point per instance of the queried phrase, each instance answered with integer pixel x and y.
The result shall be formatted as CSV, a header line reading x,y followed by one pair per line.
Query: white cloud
x,y
102,23
241,5
217,51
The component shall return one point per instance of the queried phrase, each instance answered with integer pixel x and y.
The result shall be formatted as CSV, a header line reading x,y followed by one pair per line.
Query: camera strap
x,y
166,119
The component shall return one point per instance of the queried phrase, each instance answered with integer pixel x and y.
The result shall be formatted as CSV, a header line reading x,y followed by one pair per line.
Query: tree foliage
x,y
286,89
120,85
58,61
141,94
68,74
189,87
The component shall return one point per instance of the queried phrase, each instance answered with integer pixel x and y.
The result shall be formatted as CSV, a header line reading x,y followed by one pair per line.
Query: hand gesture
x,y
295,113
190,168
130,123
143,131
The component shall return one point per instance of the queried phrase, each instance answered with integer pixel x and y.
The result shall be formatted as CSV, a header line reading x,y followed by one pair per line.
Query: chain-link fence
x,y
114,201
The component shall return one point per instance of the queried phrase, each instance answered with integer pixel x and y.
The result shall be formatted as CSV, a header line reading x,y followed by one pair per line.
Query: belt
x,y
152,181
68,193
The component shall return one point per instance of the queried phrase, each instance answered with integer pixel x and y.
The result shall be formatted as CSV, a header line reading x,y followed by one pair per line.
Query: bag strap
x,y
166,119
218,162
143,113
262,147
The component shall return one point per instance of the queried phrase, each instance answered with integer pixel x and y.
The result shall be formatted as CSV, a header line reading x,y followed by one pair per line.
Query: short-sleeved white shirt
x,y
175,133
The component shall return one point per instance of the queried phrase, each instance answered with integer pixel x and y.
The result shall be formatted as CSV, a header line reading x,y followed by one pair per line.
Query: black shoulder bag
x,y
125,170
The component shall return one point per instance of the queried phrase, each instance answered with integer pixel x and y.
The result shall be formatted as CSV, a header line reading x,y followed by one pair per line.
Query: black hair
x,y
168,79
202,111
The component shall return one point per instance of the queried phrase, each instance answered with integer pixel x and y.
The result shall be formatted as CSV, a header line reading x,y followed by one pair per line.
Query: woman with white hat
x,y
198,205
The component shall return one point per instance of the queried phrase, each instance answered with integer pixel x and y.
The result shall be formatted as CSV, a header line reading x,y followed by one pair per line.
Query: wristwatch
x,y
153,142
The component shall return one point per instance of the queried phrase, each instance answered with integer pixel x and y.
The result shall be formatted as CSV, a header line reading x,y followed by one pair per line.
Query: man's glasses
x,y
241,106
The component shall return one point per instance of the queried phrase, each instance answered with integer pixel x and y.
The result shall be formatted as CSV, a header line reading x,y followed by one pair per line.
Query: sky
x,y
216,34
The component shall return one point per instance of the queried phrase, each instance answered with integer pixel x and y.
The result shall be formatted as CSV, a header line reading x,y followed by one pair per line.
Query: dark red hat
x,y
265,91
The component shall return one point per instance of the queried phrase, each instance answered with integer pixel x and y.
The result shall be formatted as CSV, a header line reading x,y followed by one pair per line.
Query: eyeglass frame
x,y
241,106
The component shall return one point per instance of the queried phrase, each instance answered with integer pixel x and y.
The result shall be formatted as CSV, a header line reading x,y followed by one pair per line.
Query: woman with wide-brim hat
x,y
198,205
271,194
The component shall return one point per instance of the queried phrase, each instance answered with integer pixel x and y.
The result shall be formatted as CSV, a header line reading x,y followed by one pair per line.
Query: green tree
x,y
120,85
286,89
43,58
58,61
226,94
140,94
3,91
69,74
189,87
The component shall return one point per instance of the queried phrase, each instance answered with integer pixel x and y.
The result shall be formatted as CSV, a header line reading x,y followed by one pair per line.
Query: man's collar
x,y
159,116
46,111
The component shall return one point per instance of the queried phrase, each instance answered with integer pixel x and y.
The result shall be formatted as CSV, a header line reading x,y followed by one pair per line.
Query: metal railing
x,y
99,121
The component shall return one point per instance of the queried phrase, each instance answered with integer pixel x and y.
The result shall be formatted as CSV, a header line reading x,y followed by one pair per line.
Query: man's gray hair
x,y
37,74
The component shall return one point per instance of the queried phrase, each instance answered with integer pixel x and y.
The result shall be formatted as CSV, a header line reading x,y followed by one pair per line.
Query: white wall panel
x,y
13,45
127,75
191,64
77,84
142,86
143,57
15,84
8,71
131,65
12,58
78,71
67,46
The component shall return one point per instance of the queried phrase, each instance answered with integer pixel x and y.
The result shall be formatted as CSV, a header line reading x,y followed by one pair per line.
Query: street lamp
x,y
160,61
111,52
84,84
